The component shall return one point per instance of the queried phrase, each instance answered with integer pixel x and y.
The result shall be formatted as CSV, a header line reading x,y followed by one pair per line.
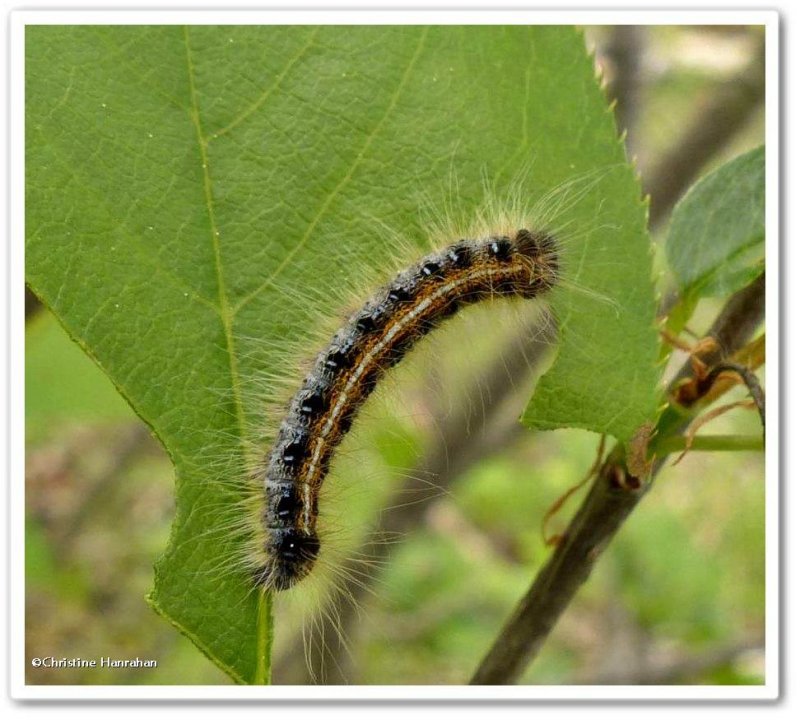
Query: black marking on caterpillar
x,y
344,374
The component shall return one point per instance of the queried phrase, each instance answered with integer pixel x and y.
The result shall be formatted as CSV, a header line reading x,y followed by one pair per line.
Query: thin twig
x,y
612,497
551,540
709,443
701,420
748,378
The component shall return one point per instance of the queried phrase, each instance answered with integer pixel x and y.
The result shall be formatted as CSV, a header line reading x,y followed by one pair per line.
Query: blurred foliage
x,y
60,386
685,574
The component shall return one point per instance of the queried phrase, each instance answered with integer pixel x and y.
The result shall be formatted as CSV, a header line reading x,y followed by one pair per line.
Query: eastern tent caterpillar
x,y
523,263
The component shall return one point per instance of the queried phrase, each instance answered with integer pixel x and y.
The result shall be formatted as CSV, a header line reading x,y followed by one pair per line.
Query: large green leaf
x,y
175,173
715,244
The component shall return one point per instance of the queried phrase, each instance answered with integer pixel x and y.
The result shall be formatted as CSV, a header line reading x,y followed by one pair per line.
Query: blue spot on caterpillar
x,y
345,372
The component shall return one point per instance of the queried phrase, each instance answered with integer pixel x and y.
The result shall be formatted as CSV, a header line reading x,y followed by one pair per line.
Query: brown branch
x,y
739,319
749,379
612,497
688,391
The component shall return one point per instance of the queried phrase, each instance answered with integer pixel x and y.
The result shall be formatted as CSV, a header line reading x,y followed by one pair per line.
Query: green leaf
x,y
604,378
715,244
174,174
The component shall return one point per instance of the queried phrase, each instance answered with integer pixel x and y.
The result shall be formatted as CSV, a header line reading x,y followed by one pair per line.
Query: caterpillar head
x,y
292,554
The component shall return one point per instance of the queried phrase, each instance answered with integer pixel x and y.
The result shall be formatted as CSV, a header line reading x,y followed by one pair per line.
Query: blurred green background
x,y
677,598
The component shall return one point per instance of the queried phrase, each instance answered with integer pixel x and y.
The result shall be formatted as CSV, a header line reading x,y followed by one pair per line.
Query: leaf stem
x,y
708,443
263,639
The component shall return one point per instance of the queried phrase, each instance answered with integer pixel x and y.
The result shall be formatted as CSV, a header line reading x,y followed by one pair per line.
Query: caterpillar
x,y
523,263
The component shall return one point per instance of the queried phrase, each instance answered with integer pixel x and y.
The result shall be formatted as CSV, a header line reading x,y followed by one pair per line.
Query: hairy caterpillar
x,y
523,263
388,460
328,363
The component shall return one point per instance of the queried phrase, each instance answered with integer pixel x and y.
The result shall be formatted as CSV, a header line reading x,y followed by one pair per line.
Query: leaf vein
x,y
393,100
224,307
247,112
